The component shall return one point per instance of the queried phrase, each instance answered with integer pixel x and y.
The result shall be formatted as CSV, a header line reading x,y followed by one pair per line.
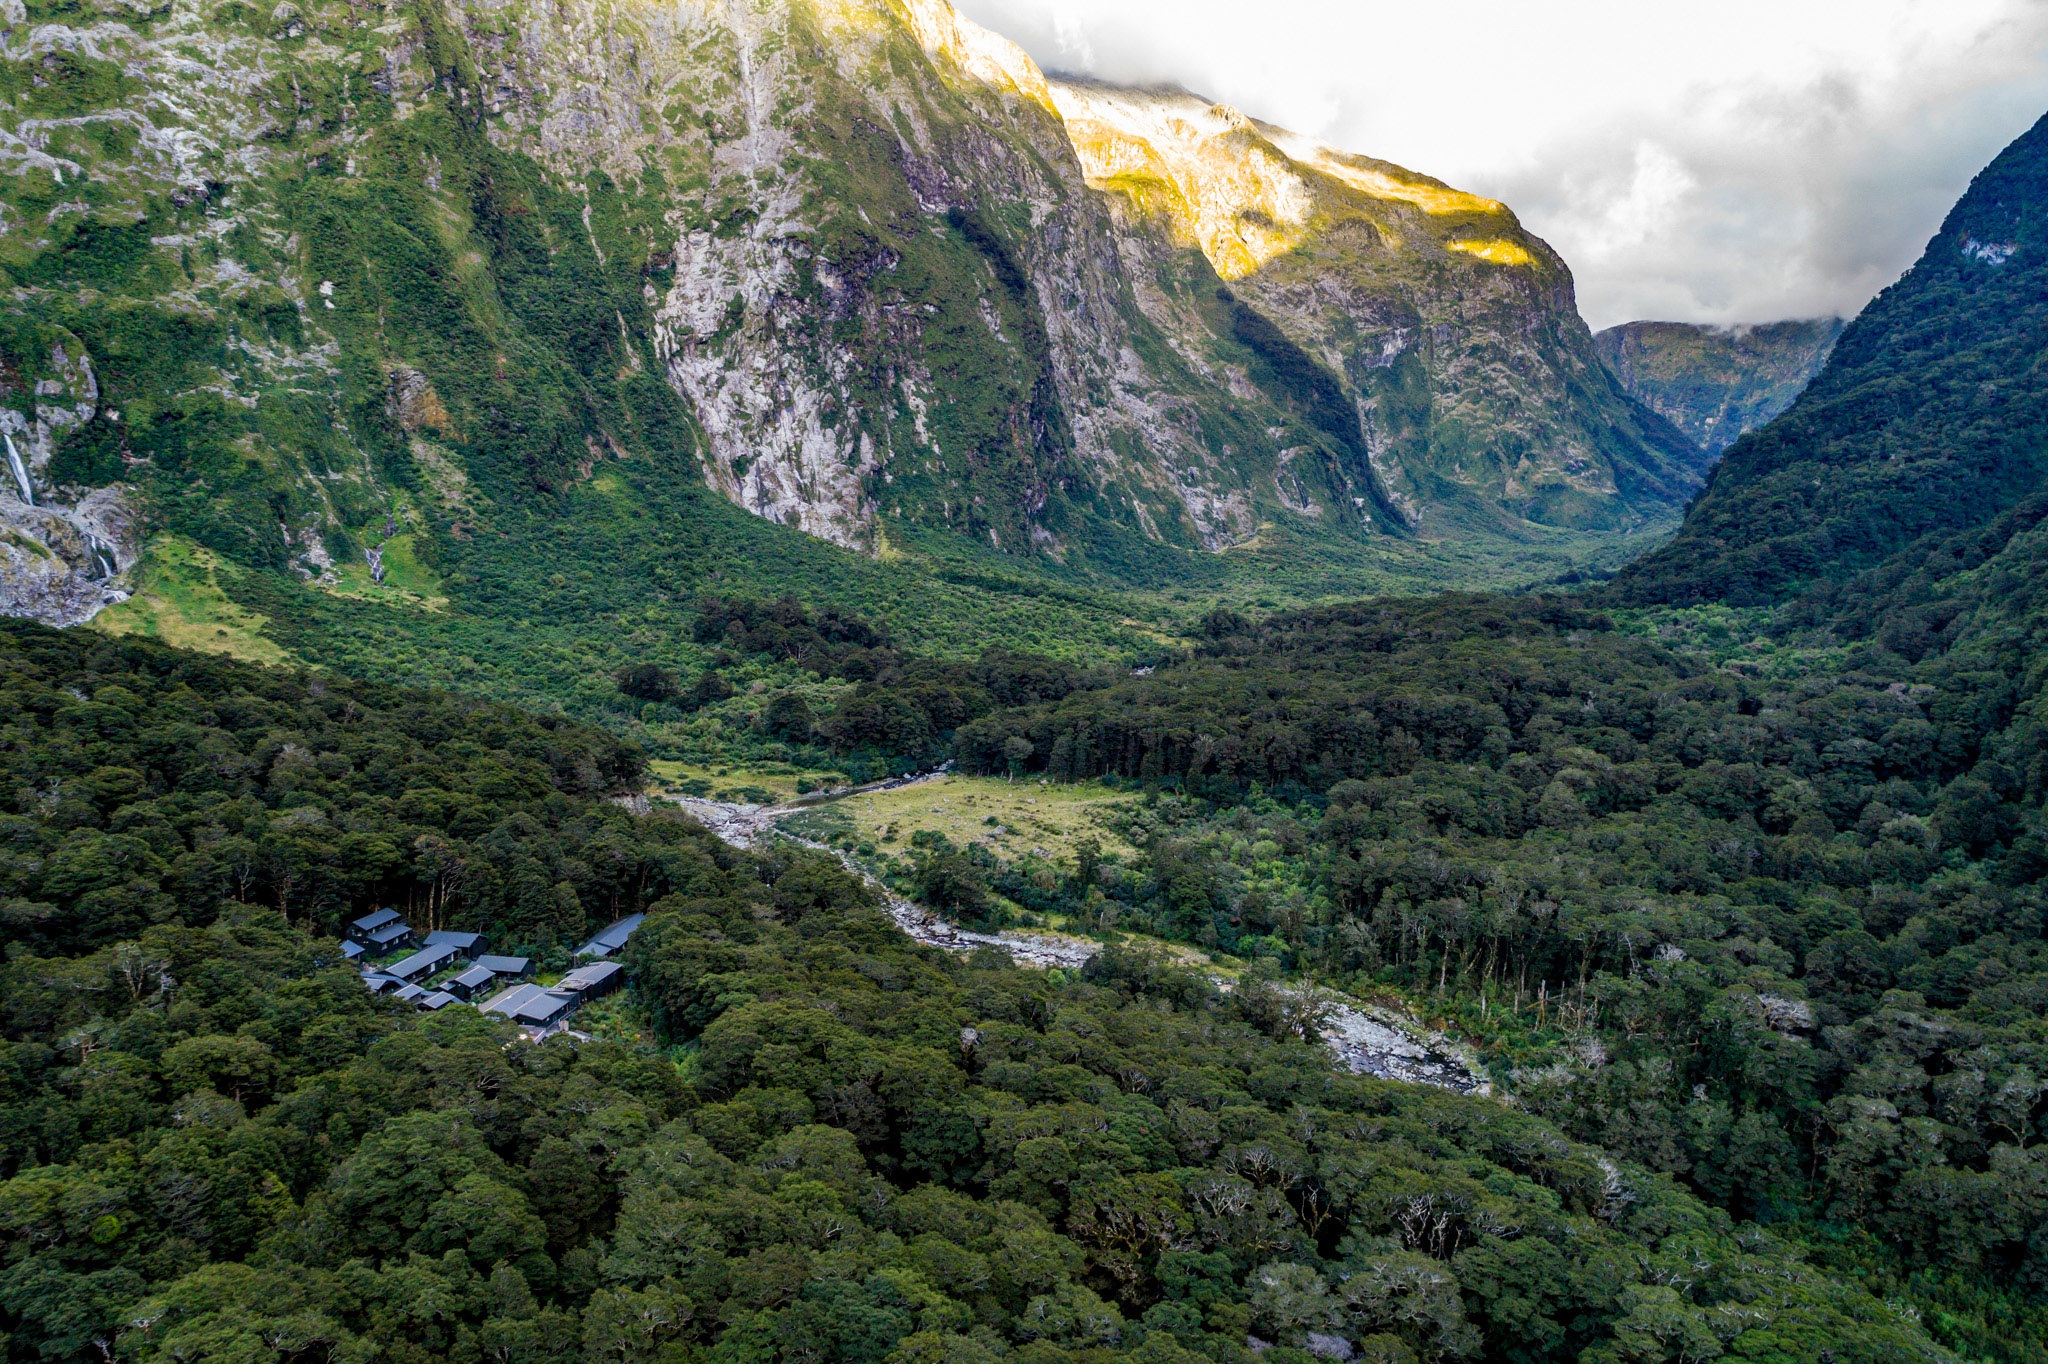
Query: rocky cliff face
x,y
287,281
63,547
888,294
1714,383
1422,324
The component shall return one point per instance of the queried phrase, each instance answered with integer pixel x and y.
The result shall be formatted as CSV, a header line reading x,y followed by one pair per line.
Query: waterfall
x,y
20,472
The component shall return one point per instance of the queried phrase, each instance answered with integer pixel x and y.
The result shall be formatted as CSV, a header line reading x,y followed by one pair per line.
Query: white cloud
x,y
1732,162
1624,212
1070,33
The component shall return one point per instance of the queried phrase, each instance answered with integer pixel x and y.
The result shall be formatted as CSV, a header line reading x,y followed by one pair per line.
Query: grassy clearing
x,y
180,601
1011,819
407,581
763,784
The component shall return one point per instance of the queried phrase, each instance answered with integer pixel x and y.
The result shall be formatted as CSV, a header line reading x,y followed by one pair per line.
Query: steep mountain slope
x,y
1416,321
1927,420
302,284
1715,383
769,243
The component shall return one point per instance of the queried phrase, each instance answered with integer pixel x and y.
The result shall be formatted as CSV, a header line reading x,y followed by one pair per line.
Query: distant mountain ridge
x,y
1717,383
1417,324
1930,418
430,274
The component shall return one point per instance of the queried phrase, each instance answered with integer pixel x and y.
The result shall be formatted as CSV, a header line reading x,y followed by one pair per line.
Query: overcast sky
x,y
1728,161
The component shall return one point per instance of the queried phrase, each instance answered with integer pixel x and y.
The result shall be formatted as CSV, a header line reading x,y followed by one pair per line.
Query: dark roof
x,y
466,941
530,1004
475,978
612,938
440,999
374,920
508,1000
505,966
424,961
584,977
351,950
389,934
410,992
379,981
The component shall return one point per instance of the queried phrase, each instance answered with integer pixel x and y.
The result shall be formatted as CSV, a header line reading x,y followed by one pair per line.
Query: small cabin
x,y
467,945
514,968
613,938
424,962
381,931
470,982
594,981
532,1006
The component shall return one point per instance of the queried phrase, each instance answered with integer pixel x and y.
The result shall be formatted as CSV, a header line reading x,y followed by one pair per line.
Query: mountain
x,y
1926,421
1715,383
292,286
1419,324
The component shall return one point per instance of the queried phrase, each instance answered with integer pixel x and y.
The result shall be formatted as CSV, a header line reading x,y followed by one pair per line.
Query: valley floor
x,y
1366,1039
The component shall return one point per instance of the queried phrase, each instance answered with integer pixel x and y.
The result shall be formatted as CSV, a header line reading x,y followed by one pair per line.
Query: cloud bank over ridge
x,y
1740,162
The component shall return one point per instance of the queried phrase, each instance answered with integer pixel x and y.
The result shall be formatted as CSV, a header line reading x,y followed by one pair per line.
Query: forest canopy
x,y
218,1144
1763,916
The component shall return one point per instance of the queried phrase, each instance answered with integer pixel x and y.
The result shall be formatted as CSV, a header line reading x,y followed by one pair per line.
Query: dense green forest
x,y
1728,871
1740,905
1763,914
828,1144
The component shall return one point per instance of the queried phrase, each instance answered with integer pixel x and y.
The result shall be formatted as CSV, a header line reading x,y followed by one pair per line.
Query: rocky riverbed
x,y
1367,1040
1377,1042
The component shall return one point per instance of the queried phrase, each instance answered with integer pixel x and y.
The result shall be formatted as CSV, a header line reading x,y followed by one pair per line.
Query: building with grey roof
x,y
371,922
612,938
475,979
390,938
468,944
424,962
506,966
381,931
532,1006
595,980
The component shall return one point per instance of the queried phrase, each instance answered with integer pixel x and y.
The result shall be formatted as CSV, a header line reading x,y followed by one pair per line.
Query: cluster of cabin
x,y
538,1008
494,984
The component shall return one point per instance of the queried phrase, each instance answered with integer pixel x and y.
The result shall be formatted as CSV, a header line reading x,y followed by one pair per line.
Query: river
x,y
1367,1039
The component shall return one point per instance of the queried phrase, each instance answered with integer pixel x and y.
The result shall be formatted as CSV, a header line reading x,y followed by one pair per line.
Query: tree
x,y
242,1068
1017,751
648,682
788,718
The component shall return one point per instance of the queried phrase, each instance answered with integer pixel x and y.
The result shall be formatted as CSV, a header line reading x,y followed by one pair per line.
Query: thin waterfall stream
x,y
20,470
